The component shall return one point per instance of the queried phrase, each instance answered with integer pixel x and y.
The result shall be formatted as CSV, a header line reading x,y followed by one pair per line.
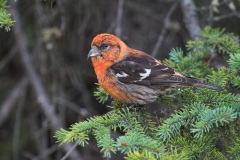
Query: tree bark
x,y
190,18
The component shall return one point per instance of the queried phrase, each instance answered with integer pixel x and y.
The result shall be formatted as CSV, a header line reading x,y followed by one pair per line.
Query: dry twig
x,y
118,29
166,24
15,94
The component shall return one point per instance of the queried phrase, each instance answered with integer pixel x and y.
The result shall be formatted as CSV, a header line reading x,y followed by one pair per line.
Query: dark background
x,y
46,81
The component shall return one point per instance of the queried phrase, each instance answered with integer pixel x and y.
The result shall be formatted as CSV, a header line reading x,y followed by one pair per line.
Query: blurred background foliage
x,y
58,35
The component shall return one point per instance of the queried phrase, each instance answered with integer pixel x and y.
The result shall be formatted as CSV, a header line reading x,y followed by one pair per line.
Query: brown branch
x,y
17,126
15,94
38,132
5,60
166,24
47,152
136,7
84,112
118,28
218,18
42,156
62,10
129,124
78,83
208,7
190,18
69,152
34,78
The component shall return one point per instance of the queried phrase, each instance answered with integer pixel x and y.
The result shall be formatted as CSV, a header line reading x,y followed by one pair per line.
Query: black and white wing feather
x,y
145,71
148,71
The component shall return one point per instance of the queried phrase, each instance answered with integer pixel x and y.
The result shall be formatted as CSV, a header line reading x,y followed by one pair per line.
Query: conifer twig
x,y
129,124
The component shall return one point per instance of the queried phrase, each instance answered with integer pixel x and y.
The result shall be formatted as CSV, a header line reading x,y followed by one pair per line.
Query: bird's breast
x,y
108,81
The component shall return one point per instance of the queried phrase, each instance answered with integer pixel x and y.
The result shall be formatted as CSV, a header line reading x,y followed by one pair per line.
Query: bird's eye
x,y
104,47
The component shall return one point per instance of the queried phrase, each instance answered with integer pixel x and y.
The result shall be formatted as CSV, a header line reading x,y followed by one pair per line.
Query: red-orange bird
x,y
131,75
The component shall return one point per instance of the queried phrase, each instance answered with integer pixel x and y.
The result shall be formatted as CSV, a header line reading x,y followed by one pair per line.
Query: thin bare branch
x,y
85,112
47,152
7,58
166,25
17,127
136,7
218,18
78,83
69,152
15,94
212,5
38,131
29,156
63,15
118,29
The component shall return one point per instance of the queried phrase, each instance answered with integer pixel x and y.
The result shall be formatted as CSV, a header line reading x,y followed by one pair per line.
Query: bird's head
x,y
106,47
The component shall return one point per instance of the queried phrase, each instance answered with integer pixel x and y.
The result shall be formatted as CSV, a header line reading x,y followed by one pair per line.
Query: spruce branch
x,y
205,118
100,94
5,20
136,155
234,61
209,118
105,142
132,141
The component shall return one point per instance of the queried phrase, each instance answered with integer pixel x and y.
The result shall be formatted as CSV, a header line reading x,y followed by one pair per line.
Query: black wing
x,y
145,71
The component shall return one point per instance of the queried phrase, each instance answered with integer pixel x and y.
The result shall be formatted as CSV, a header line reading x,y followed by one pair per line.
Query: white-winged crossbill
x,y
131,75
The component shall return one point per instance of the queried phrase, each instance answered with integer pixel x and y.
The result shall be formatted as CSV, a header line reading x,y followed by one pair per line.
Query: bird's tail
x,y
198,83
209,86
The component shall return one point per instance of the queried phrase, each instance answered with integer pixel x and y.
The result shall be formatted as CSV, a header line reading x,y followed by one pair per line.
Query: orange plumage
x,y
131,75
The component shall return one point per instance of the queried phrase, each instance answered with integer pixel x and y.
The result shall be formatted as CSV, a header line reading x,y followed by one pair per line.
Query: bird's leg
x,y
132,106
138,107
